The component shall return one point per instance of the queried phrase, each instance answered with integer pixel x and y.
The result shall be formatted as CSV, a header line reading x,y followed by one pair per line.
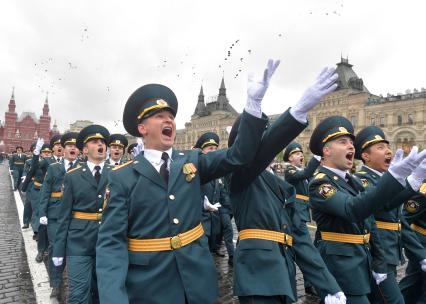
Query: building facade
x,y
402,117
23,130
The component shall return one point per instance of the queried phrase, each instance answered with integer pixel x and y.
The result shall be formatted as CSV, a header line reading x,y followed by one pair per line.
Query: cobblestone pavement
x,y
15,279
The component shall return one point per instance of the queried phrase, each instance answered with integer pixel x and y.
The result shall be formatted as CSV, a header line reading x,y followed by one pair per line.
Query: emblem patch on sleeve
x,y
327,190
412,206
364,182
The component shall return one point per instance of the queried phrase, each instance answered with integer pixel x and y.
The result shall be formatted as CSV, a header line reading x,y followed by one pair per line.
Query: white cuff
x,y
253,108
414,183
400,179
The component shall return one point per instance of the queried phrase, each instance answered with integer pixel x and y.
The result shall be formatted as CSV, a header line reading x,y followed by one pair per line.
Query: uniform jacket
x,y
16,162
142,206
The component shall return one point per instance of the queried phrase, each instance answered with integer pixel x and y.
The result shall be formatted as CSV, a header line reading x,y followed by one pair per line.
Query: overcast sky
x,y
91,55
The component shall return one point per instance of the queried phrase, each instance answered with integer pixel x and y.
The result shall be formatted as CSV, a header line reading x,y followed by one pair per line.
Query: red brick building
x,y
25,129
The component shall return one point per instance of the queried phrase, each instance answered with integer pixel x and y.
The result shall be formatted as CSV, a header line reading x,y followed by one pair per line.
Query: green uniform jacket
x,y
261,200
338,207
77,237
215,192
112,163
53,181
16,162
299,178
142,206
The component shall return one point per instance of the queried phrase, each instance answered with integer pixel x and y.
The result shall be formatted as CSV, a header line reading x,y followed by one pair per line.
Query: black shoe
x,y
26,226
55,292
35,237
39,257
311,291
231,261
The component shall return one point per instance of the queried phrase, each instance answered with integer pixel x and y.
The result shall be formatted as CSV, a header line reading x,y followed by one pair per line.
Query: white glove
x,y
139,148
423,264
324,84
43,220
416,178
338,298
57,261
210,207
256,89
22,178
11,172
401,168
379,277
39,144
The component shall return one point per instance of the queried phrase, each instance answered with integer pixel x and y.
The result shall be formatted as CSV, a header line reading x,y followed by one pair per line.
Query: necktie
x,y
350,181
163,169
98,174
116,164
69,166
58,160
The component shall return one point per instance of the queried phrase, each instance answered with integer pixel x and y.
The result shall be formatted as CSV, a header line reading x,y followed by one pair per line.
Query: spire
x,y
13,94
201,95
46,106
222,89
12,105
200,109
47,97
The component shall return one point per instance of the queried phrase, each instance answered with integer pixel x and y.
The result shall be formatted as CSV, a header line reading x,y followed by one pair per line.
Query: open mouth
x,y
101,150
350,156
116,154
388,160
167,131
60,150
301,160
72,153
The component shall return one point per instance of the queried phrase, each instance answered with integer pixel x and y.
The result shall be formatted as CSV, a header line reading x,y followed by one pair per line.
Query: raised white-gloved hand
x,y
324,84
416,178
43,220
57,261
423,264
256,89
209,206
338,298
400,168
39,144
379,277
139,148
22,178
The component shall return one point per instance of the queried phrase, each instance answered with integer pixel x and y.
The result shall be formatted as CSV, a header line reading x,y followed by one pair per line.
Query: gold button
x,y
100,196
172,197
284,226
175,221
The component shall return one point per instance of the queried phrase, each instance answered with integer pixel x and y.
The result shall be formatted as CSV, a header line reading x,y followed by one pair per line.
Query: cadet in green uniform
x,y
299,177
216,222
16,166
130,149
51,200
342,210
27,204
117,145
151,246
80,215
55,144
272,234
373,149
413,285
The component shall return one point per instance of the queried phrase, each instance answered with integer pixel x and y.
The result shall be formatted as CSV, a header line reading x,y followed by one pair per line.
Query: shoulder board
x,y
361,172
55,163
320,175
75,169
122,166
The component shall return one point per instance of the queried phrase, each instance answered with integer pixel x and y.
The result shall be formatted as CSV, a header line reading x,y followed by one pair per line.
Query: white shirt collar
x,y
112,162
92,166
154,156
375,171
339,172
66,163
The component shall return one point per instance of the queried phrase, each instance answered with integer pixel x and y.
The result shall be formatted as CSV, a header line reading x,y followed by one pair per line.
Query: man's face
x,y
209,149
158,131
116,152
19,151
339,153
378,156
296,159
71,152
45,154
95,149
57,150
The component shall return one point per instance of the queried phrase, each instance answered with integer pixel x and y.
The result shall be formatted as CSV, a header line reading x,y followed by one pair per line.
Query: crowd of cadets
x,y
142,228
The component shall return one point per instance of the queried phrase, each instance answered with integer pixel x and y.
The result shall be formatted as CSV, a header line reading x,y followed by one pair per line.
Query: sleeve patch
x,y
412,206
327,190
364,182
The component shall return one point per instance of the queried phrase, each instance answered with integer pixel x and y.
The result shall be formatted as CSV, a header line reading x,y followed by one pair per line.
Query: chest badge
x,y
189,170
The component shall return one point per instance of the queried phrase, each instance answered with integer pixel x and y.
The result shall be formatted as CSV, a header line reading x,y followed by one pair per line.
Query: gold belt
x,y
275,236
167,243
345,238
388,226
418,229
37,184
92,216
56,194
302,197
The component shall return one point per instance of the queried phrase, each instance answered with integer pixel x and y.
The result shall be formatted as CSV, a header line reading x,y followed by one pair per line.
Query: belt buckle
x,y
399,226
286,239
98,216
175,242
366,238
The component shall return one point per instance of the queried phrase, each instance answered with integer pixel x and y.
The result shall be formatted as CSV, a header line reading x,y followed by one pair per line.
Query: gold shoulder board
x,y
122,165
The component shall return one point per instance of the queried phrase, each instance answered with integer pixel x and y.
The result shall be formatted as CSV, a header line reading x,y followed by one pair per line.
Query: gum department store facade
x,y
401,116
